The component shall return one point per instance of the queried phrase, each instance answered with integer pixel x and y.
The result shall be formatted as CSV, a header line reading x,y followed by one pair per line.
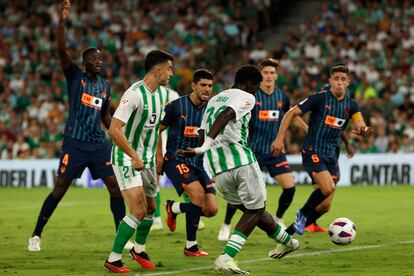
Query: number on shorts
x,y
125,170
315,158
65,159
182,168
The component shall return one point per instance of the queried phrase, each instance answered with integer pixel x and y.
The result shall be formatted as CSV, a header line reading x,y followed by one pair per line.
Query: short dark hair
x,y
340,67
269,62
88,52
202,74
247,73
156,57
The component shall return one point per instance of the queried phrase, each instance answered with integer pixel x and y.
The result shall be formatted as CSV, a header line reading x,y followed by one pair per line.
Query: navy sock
x,y
192,219
285,200
314,200
118,210
230,211
312,217
184,207
49,205
291,230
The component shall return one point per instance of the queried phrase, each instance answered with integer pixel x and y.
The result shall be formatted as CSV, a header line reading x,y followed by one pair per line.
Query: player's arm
x,y
159,160
219,124
277,146
61,41
359,126
300,123
350,150
119,138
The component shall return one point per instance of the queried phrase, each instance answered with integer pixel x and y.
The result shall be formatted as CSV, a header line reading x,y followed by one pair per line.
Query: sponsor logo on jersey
x,y
269,115
91,101
191,131
334,122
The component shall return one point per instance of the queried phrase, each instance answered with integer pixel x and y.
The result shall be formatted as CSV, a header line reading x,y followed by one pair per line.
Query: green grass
x,y
79,236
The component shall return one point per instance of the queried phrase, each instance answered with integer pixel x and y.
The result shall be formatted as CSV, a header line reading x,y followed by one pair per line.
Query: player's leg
x,y
316,168
131,185
279,169
241,186
71,165
143,229
100,167
157,225
224,233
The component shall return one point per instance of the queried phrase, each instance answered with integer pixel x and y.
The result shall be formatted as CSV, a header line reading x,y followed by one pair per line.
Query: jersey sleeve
x,y
310,103
130,101
355,112
107,98
169,115
286,105
71,72
242,104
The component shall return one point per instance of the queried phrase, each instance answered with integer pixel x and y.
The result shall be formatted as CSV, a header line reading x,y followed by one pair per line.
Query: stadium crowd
x,y
202,34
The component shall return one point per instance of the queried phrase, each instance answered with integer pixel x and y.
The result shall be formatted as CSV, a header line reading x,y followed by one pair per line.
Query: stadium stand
x,y
32,87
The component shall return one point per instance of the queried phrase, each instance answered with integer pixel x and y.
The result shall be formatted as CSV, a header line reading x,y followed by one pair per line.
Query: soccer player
x,y
238,176
169,95
134,130
84,143
183,119
271,105
331,112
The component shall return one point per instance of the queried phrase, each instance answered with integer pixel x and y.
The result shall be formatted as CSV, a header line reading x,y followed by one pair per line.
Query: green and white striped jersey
x,y
140,109
230,149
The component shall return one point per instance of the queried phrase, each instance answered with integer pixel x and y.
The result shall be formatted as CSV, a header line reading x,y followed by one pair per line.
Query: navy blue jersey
x,y
329,117
87,98
266,117
183,119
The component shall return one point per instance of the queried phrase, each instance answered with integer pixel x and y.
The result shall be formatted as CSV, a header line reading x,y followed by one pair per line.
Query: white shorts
x,y
243,185
128,178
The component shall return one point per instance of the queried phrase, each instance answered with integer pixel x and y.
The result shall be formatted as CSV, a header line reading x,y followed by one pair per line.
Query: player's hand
x,y
363,131
64,13
350,150
277,147
137,164
183,153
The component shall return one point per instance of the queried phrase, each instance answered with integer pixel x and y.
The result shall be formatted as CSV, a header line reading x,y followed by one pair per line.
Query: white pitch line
x,y
307,254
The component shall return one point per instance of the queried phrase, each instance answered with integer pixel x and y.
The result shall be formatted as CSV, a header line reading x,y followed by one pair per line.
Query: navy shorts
x,y
182,174
275,165
74,160
314,163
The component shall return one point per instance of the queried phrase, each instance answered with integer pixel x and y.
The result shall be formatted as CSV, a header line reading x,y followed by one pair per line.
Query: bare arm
x,y
219,124
159,160
300,123
359,126
119,138
61,41
350,150
277,146
106,117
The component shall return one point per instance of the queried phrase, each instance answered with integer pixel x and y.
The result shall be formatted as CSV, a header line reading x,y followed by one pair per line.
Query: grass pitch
x,y
80,233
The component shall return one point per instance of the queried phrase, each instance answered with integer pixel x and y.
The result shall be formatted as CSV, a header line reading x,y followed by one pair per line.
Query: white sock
x,y
113,257
225,257
189,244
138,248
175,208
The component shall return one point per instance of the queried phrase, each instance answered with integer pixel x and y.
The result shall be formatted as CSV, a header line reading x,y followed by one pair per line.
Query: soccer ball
x,y
342,231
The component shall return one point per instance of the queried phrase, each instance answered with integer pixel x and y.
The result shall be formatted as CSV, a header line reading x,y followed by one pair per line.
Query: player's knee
x,y
61,187
197,198
327,191
210,211
139,213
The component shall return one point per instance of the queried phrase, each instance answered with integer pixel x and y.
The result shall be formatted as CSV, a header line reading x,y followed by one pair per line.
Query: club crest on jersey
x,y
279,103
334,122
268,115
91,101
